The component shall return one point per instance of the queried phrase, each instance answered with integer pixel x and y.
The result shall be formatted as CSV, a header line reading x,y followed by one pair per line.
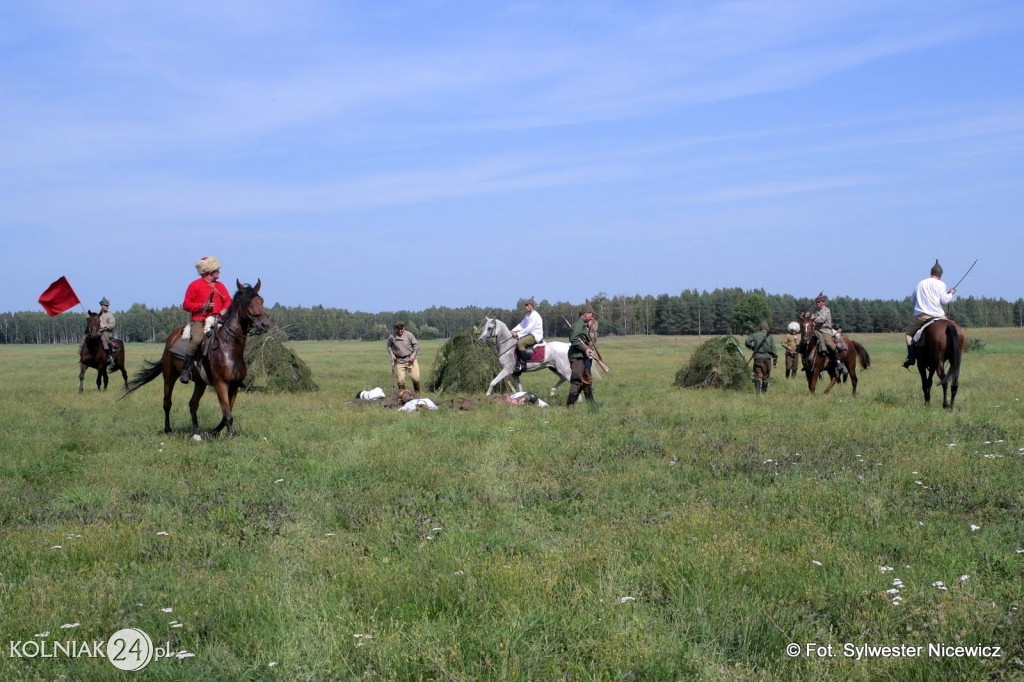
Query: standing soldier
x,y
790,344
765,357
579,351
404,348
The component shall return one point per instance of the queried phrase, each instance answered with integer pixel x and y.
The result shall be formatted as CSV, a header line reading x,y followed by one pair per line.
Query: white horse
x,y
556,356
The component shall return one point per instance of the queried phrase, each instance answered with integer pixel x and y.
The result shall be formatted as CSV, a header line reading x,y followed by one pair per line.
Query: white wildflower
x,y
167,610
940,585
623,600
885,569
973,527
69,626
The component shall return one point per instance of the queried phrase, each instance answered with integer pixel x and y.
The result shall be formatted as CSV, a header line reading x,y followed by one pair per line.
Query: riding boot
x,y
764,386
110,358
520,366
911,359
416,386
841,370
186,369
757,386
401,385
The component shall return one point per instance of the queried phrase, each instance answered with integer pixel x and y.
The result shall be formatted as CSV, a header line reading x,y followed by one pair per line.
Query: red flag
x,y
58,297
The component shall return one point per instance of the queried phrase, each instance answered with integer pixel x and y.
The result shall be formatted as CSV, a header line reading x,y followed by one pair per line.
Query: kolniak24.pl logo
x,y
127,649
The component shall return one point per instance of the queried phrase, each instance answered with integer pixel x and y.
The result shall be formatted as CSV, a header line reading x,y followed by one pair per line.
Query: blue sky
x,y
377,157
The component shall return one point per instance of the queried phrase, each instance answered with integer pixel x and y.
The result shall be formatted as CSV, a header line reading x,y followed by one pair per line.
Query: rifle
x,y
592,352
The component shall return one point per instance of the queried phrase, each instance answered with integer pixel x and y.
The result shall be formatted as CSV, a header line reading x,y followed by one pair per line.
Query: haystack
x,y
463,365
717,363
274,368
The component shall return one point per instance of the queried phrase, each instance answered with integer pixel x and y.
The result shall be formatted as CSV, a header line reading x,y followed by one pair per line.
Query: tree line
x,y
691,312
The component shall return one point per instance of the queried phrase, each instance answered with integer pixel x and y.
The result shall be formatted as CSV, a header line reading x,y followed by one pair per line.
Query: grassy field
x,y
669,535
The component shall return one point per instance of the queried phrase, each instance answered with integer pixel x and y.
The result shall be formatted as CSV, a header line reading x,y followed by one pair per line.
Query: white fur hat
x,y
793,327
207,264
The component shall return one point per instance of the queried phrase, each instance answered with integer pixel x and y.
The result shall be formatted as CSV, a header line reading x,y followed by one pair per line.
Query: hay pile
x,y
274,368
463,365
717,363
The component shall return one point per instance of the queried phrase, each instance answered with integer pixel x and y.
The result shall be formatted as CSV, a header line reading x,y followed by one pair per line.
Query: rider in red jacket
x,y
205,297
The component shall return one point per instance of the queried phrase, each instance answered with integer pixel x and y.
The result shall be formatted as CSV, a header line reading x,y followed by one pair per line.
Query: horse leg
x,y
943,381
124,374
926,382
852,367
561,380
193,405
81,377
226,397
101,374
501,375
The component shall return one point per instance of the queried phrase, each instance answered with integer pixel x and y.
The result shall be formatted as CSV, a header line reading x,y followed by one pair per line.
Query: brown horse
x,y
91,354
815,361
222,365
941,342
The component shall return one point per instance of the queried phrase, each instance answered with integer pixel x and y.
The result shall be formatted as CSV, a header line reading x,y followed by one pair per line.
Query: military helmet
x,y
937,269
104,301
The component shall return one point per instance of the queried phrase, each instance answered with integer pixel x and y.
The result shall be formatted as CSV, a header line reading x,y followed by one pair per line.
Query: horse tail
x,y
953,346
862,353
151,370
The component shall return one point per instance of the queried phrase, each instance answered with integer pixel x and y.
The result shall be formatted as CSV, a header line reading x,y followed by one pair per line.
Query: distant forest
x,y
722,311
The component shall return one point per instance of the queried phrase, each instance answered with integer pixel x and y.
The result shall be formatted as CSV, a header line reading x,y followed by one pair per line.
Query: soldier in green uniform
x,y
765,357
579,351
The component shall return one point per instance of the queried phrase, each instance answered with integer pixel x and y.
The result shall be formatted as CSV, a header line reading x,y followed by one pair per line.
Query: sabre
x,y
965,275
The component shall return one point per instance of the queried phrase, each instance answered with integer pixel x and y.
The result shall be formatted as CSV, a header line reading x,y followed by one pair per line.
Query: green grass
x,y
670,534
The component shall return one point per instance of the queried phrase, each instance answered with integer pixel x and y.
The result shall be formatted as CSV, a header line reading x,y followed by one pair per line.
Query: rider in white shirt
x,y
529,332
929,297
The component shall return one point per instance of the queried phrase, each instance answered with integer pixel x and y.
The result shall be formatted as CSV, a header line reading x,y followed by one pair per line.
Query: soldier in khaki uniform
x,y
790,345
824,331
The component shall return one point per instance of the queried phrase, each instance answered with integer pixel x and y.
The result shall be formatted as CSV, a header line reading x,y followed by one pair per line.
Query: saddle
x,y
538,353
919,336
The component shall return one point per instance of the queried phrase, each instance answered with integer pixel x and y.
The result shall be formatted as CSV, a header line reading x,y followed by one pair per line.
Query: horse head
x,y
490,324
806,326
92,324
251,314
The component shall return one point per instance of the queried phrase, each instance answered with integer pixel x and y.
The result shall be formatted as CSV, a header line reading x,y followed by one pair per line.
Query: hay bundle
x,y
717,363
463,365
274,368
